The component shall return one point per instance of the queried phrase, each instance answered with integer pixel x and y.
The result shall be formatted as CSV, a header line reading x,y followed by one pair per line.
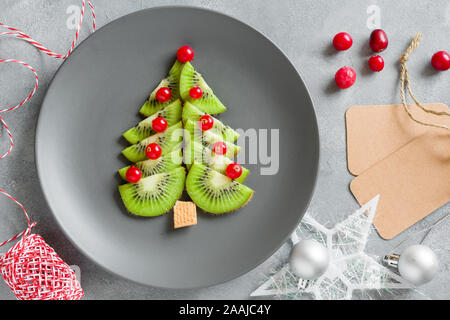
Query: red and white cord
x,y
30,225
21,35
22,267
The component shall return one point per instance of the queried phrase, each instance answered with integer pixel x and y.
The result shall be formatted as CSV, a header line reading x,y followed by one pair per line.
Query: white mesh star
x,y
350,269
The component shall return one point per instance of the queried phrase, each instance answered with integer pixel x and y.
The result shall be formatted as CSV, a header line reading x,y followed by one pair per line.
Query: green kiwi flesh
x,y
195,152
190,78
152,105
208,138
214,192
154,195
172,114
167,140
191,112
150,167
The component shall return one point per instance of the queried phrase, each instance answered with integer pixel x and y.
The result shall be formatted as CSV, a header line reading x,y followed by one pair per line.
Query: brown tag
x,y
412,182
374,132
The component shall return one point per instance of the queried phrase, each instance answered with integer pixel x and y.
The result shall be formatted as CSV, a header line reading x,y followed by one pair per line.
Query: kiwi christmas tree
x,y
157,178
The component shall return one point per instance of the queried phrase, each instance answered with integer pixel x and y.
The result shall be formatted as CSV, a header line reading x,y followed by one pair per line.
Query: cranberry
x,y
376,63
206,122
233,171
196,93
159,124
163,94
441,61
153,151
185,54
220,148
378,40
345,77
133,174
342,41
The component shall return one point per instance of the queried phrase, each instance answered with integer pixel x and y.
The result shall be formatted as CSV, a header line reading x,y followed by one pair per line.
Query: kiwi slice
x,y
215,192
190,112
172,114
190,78
208,138
150,167
167,140
195,152
154,195
152,105
198,153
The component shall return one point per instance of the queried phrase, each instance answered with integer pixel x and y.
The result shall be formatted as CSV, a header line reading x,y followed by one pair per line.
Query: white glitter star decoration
x,y
351,269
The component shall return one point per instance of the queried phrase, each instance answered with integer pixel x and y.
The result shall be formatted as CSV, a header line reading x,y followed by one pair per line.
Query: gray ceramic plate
x,y
95,96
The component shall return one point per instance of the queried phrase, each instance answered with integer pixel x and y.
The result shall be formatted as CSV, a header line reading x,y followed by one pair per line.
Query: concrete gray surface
x,y
304,30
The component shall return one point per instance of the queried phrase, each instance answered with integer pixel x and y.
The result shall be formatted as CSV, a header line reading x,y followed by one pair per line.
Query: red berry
x,y
206,122
441,61
163,94
159,124
133,174
345,77
378,40
233,171
220,148
376,63
196,93
342,41
153,151
185,54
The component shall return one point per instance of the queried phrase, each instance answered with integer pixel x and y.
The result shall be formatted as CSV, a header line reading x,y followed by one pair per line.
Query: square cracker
x,y
184,214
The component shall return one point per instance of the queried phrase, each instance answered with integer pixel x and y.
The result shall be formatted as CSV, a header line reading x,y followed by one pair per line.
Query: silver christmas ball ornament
x,y
309,259
417,264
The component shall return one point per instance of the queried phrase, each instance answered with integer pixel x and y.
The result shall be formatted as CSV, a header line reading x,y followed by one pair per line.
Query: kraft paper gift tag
x,y
374,132
412,182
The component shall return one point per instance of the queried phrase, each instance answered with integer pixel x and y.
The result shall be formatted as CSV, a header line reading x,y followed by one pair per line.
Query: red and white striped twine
x,y
30,225
19,34
34,271
31,268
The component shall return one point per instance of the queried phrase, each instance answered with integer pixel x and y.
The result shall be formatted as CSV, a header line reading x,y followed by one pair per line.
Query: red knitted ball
x,y
33,270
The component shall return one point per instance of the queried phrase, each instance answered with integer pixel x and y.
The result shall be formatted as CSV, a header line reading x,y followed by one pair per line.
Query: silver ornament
x,y
417,264
309,259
